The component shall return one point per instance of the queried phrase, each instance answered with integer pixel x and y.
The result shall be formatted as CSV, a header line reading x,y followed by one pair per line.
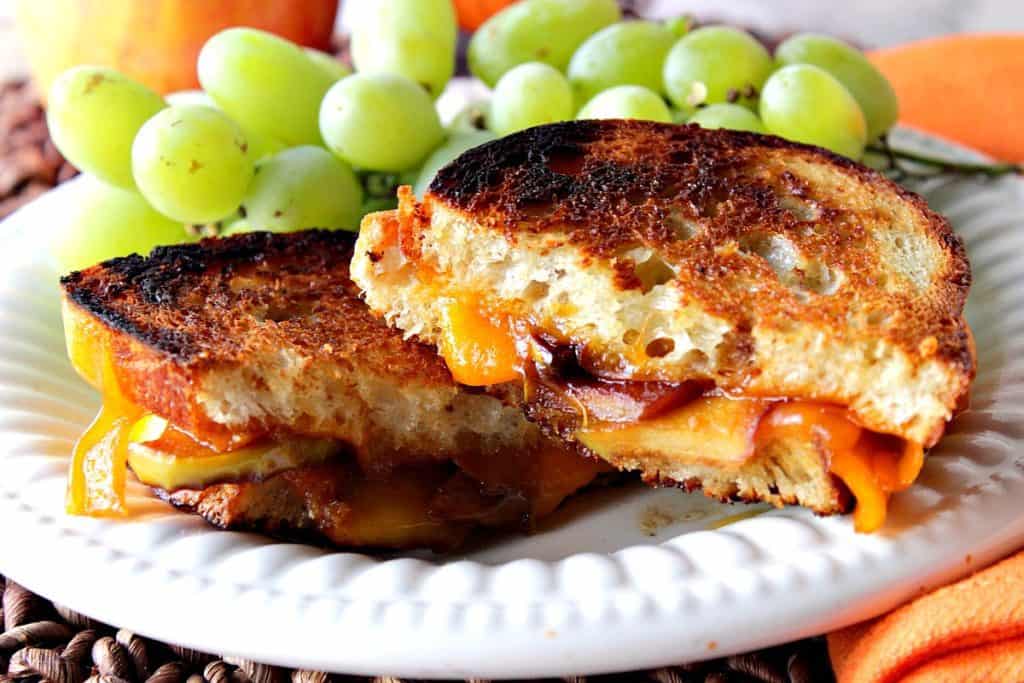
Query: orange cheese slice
x,y
479,349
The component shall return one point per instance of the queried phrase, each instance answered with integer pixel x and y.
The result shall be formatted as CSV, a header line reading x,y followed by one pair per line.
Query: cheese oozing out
x,y
124,435
99,462
482,348
479,349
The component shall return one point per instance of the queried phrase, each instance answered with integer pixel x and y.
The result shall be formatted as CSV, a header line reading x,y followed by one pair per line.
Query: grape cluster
x,y
284,138
814,89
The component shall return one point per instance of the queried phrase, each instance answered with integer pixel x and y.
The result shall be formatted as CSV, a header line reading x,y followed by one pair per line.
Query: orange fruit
x,y
967,88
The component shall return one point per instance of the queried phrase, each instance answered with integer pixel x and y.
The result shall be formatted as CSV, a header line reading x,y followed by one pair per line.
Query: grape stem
x,y
937,165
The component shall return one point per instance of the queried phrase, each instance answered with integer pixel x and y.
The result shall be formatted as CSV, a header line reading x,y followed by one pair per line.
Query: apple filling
x,y
690,418
488,489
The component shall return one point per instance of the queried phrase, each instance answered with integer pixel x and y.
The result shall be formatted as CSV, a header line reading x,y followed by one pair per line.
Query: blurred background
x,y
869,23
156,42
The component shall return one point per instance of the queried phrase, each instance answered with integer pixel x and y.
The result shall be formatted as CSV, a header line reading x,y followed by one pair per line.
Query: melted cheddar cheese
x,y
726,432
872,466
479,349
99,462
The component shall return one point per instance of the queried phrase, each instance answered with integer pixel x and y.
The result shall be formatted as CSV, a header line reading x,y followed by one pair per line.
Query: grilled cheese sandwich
x,y
245,380
715,309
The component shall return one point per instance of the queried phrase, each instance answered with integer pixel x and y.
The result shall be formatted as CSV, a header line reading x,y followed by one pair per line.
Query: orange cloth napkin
x,y
969,89
972,630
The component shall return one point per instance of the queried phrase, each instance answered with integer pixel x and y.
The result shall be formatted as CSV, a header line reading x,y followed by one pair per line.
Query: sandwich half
x,y
718,310
244,379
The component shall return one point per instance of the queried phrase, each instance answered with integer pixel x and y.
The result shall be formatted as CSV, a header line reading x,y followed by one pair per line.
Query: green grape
x,y
412,38
218,226
879,161
627,53
93,114
101,221
804,103
303,187
192,163
332,66
448,152
850,67
627,102
380,122
260,146
716,64
536,31
725,115
530,95
377,184
265,83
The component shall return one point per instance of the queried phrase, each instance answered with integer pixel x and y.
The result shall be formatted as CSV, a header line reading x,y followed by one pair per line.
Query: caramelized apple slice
x,y
713,430
172,471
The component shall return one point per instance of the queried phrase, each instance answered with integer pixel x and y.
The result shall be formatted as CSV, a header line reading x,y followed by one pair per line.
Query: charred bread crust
x,y
187,312
205,304
672,253
605,186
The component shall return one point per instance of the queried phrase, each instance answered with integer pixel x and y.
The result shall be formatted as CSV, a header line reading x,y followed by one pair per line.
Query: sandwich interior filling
x,y
379,503
484,346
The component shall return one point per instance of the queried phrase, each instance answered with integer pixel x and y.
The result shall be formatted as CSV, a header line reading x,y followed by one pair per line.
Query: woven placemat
x,y
46,642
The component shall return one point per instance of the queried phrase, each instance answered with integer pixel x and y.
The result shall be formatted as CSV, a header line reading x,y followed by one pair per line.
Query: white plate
x,y
595,593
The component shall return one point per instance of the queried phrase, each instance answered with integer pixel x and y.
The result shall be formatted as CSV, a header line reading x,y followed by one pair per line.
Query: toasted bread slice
x,y
262,338
635,252
265,334
673,253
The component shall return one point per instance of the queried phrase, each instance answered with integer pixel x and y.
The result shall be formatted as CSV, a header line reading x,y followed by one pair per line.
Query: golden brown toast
x,y
637,252
265,334
263,338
